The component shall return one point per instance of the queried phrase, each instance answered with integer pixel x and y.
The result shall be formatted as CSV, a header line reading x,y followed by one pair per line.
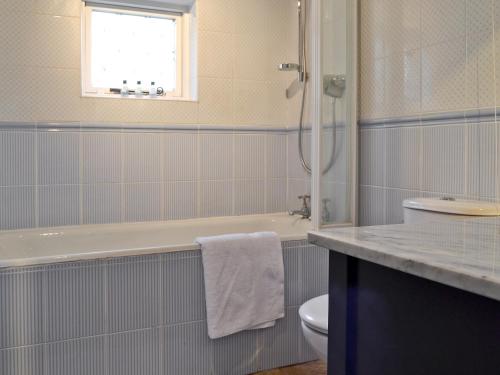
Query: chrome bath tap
x,y
305,211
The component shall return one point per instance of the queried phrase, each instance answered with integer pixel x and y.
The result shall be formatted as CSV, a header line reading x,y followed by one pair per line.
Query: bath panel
x,y
125,314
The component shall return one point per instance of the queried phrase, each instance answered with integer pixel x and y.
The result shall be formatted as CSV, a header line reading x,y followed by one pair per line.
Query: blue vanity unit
x,y
414,298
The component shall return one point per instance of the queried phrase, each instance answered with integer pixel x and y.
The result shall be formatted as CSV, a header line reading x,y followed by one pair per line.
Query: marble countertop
x,y
464,254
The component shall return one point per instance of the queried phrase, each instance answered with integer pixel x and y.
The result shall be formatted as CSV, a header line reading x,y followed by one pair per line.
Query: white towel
x,y
244,282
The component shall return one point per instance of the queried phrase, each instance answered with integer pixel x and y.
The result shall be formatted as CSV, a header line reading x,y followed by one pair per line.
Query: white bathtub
x,y
63,244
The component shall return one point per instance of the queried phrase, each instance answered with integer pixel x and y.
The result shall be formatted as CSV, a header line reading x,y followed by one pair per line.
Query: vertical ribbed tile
x,y
292,259
276,155
403,161
276,195
371,206
187,349
444,159
76,302
102,157
216,156
101,203
77,357
280,344
137,352
340,171
314,272
237,354
216,198
293,244
395,198
17,158
294,167
183,289
144,292
296,188
142,202
17,207
249,197
481,165
250,156
335,203
180,156
134,296
142,157
181,200
22,361
372,156
496,46
59,205
21,308
58,158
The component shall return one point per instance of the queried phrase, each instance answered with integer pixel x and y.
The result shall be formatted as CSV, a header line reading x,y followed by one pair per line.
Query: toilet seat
x,y
314,314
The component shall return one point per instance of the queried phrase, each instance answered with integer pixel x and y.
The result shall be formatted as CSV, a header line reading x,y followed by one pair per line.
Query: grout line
x,y
233,177
495,84
198,174
37,182
163,183
122,176
80,165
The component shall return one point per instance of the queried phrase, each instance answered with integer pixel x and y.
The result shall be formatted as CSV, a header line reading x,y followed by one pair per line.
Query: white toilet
x,y
314,316
314,313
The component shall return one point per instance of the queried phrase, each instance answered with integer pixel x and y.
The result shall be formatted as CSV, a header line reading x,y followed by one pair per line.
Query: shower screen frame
x,y
316,71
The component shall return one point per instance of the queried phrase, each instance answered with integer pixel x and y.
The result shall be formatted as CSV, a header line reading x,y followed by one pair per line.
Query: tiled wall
x,y
67,160
61,175
240,44
142,315
429,92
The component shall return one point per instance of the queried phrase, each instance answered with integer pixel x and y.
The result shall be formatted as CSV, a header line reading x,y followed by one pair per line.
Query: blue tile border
x,y
441,118
136,127
152,128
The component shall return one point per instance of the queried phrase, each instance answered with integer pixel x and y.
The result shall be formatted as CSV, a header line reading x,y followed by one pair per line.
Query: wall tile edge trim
x,y
442,118
95,126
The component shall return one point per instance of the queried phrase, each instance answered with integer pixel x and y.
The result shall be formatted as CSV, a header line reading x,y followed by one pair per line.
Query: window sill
x,y
143,97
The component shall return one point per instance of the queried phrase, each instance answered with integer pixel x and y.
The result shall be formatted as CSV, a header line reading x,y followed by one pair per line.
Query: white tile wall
x,y
436,56
240,44
421,58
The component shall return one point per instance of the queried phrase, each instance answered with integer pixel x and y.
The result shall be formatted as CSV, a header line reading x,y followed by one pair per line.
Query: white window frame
x,y
183,51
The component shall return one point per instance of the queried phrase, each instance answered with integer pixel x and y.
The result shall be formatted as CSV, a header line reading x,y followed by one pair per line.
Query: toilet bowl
x,y
314,316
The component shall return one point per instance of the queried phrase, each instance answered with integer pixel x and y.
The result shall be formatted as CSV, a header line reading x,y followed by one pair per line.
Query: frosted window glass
x,y
133,48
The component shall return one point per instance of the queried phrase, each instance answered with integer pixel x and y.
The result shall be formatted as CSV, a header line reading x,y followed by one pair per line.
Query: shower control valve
x,y
334,85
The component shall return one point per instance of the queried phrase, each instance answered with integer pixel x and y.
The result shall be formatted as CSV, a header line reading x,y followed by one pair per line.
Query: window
x,y
135,45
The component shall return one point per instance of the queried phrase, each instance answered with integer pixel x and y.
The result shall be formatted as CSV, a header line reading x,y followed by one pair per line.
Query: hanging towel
x,y
244,282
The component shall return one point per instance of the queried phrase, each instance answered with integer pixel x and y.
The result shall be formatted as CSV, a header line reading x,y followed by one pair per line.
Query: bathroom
x,y
135,132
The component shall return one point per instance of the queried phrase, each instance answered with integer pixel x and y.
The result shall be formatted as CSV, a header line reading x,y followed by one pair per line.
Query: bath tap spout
x,y
305,211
